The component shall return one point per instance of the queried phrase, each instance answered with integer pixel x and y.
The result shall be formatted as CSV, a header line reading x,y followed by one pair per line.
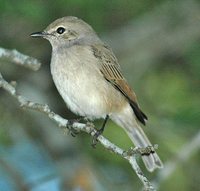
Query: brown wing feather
x,y
123,86
111,71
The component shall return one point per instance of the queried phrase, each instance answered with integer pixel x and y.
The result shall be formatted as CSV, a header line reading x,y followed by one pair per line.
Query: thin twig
x,y
19,59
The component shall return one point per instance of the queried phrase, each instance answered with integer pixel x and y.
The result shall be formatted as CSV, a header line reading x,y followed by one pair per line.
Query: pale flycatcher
x,y
89,79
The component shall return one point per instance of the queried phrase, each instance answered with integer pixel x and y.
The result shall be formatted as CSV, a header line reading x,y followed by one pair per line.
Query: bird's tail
x,y
140,140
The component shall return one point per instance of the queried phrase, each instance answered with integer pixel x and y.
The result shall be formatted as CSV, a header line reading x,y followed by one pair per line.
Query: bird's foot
x,y
70,127
95,137
99,132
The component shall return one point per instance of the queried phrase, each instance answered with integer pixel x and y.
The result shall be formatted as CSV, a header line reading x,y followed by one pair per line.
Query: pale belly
x,y
84,95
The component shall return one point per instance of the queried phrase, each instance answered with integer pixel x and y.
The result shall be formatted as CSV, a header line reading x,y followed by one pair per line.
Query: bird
x,y
88,77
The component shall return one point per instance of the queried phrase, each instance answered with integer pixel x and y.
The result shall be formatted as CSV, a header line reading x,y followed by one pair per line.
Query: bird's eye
x,y
60,30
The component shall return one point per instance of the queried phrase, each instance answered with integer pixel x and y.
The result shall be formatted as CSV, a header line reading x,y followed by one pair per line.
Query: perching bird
x,y
89,79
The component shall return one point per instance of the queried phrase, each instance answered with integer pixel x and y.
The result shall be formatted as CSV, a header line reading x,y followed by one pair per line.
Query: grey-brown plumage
x,y
89,79
110,68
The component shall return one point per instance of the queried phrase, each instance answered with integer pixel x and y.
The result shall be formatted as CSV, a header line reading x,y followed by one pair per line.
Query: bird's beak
x,y
39,34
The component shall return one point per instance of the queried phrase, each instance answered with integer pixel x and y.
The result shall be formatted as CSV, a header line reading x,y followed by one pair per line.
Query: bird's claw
x,y
95,137
72,131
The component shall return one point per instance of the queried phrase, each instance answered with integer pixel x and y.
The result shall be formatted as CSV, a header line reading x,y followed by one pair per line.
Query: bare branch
x,y
19,58
64,123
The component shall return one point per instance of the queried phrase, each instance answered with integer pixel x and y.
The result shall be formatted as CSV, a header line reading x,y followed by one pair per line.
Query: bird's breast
x,y
80,84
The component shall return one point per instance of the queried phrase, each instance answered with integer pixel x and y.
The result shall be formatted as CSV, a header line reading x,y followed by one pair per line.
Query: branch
x,y
19,59
64,123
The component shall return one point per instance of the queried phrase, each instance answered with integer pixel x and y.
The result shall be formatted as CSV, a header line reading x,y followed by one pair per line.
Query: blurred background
x,y
158,46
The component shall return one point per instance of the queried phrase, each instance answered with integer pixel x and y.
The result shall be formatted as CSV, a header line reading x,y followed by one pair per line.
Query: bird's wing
x,y
110,69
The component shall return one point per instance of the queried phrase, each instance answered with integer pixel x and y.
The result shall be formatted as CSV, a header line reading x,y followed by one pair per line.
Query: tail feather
x,y
151,161
127,120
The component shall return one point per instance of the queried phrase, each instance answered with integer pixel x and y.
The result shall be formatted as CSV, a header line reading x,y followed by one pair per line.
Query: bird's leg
x,y
99,132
